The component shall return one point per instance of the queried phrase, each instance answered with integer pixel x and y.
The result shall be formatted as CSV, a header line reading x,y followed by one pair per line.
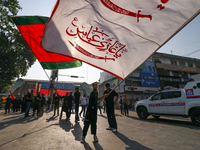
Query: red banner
x,y
47,92
11,95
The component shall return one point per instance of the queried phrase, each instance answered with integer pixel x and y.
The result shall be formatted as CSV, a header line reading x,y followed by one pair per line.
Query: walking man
x,y
91,114
110,107
83,104
64,106
69,105
77,99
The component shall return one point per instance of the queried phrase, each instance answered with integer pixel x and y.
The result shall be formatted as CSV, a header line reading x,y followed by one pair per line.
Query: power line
x,y
185,45
188,54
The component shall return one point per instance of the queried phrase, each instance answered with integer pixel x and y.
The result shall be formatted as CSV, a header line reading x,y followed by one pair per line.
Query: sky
x,y
185,43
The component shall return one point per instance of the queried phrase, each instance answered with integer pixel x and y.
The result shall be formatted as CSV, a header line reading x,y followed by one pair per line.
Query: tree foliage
x,y
15,55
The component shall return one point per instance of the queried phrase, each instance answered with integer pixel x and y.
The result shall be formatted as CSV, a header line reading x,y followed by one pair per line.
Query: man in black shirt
x,y
8,102
69,105
77,99
110,108
91,114
36,105
56,104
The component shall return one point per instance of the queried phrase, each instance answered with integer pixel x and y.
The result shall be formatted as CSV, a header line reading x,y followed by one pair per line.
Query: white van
x,y
177,102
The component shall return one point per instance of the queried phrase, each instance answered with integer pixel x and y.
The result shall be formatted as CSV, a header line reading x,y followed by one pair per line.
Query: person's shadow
x,y
51,118
77,132
97,146
66,125
133,145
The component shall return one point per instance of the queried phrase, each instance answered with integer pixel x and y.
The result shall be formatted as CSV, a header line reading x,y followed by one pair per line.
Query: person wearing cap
x,y
91,114
110,107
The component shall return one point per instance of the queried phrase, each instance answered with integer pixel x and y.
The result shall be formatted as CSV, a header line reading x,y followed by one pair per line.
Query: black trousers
x,y
121,108
91,120
68,111
126,109
76,111
36,107
14,108
111,117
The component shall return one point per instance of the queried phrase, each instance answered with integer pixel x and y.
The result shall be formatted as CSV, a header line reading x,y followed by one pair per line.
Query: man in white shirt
x,y
83,104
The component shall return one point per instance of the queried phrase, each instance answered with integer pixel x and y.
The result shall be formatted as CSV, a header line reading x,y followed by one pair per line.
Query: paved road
x,y
50,133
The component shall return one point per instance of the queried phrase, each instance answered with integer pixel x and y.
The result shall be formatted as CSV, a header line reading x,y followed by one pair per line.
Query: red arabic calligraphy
x,y
161,6
83,51
123,11
97,38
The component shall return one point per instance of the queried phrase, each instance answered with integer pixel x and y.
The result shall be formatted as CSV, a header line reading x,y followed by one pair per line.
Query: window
x,y
176,94
156,59
198,85
175,73
156,97
168,95
173,62
190,64
181,63
197,65
184,75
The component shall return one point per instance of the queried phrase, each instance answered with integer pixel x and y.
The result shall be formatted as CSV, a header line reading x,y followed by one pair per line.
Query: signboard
x,y
169,79
147,66
139,88
47,92
149,79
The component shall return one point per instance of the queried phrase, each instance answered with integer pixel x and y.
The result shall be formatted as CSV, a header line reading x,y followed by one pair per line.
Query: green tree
x,y
15,55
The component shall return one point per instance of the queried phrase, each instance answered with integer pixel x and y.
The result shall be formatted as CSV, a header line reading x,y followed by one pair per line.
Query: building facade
x,y
160,71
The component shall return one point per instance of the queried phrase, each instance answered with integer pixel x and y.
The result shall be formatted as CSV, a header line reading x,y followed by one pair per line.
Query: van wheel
x,y
156,117
142,113
195,117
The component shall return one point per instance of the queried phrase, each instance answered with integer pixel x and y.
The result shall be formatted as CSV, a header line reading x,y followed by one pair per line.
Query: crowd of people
x,y
89,106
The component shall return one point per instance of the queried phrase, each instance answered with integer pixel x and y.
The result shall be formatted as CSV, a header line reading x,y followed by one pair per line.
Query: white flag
x,y
115,35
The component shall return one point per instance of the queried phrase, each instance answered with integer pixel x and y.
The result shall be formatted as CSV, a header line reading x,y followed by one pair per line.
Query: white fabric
x,y
83,100
107,35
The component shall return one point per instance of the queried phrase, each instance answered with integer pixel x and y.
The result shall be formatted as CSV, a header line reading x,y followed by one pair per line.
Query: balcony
x,y
177,68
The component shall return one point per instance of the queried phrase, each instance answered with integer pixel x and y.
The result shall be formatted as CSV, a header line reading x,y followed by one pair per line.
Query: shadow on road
x,y
16,120
102,116
26,134
132,145
77,132
169,121
66,125
87,146
97,146
173,122
52,118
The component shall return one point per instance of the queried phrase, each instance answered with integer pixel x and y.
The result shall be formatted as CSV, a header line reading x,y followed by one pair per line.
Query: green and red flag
x,y
31,28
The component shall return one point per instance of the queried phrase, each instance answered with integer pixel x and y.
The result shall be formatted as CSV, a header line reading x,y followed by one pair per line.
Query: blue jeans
x,y
28,105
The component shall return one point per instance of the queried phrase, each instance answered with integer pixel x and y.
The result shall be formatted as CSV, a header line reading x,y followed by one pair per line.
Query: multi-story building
x,y
158,72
